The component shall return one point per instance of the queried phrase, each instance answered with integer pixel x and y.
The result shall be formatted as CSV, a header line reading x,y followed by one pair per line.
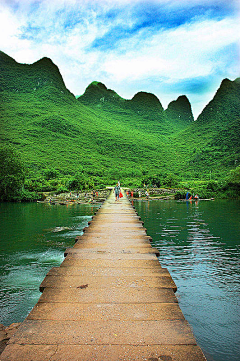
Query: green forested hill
x,y
102,137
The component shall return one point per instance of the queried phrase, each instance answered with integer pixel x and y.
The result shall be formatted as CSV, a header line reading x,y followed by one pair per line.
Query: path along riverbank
x,y
109,300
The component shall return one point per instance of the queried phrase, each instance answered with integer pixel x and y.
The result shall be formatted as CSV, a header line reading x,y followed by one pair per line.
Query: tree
x,y
50,173
234,175
77,182
12,173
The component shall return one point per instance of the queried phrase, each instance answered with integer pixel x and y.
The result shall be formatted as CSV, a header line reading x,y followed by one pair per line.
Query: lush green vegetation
x,y
99,138
12,174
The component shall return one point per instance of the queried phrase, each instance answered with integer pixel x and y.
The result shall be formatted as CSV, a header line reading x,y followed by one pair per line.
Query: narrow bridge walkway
x,y
110,300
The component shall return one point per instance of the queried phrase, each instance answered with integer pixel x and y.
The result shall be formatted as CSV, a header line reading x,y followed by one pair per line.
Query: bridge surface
x,y
110,300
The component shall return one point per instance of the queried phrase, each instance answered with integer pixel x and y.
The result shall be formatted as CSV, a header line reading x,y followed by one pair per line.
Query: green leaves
x,y
12,173
78,182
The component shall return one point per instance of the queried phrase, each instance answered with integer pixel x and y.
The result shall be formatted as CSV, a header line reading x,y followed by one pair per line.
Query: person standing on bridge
x,y
117,191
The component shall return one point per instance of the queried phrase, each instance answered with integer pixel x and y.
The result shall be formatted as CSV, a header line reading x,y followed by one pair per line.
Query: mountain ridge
x,y
143,103
226,100
41,75
111,137
180,109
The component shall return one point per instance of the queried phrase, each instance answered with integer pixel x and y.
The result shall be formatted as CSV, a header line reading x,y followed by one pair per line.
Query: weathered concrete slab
x,y
137,246
16,352
125,220
115,251
94,282
109,263
106,311
108,237
126,227
101,244
161,332
113,295
111,256
106,271
116,232
25,352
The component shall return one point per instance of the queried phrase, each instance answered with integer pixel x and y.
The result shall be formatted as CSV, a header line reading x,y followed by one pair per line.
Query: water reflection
x,y
198,243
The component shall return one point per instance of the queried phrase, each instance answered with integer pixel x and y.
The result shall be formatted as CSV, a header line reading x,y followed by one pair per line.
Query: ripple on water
x,y
200,248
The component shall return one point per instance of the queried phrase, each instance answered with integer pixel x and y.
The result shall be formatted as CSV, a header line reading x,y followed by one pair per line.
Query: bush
x,y
26,196
78,182
234,175
12,174
38,185
231,190
61,189
160,180
213,186
54,183
50,173
180,195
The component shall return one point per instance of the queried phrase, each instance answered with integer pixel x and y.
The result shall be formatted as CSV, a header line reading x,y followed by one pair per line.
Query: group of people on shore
x,y
118,193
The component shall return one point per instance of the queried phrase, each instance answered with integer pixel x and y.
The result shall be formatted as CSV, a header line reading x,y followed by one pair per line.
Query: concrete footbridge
x,y
109,300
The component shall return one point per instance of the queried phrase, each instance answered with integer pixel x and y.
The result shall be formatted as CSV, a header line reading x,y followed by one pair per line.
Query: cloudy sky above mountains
x,y
166,47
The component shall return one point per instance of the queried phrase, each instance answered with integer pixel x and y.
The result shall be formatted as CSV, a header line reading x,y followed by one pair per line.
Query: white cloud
x,y
65,30
10,30
185,52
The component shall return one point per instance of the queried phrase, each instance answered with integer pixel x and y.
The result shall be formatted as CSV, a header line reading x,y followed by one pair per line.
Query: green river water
x,y
198,243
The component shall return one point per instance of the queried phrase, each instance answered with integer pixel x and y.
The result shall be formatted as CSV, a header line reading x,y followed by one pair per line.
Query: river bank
x,y
99,196
64,195
6,333
86,197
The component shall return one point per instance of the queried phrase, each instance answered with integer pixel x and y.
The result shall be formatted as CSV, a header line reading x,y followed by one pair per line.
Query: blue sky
x,y
166,47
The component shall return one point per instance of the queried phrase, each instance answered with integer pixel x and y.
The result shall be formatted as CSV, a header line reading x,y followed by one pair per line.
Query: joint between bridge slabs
x,y
105,271
116,253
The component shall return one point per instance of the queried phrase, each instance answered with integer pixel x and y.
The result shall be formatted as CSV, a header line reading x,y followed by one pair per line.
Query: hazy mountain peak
x,y
146,100
42,78
225,104
98,93
180,110
6,59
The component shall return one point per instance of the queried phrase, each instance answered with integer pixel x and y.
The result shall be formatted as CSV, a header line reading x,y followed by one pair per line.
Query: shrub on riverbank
x,y
26,196
12,173
225,189
50,180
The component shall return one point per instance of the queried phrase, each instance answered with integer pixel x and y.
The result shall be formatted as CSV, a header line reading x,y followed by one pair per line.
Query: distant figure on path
x,y
117,191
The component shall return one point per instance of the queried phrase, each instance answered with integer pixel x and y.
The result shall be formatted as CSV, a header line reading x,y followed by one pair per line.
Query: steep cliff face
x,y
97,93
180,110
142,104
225,105
42,78
147,105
